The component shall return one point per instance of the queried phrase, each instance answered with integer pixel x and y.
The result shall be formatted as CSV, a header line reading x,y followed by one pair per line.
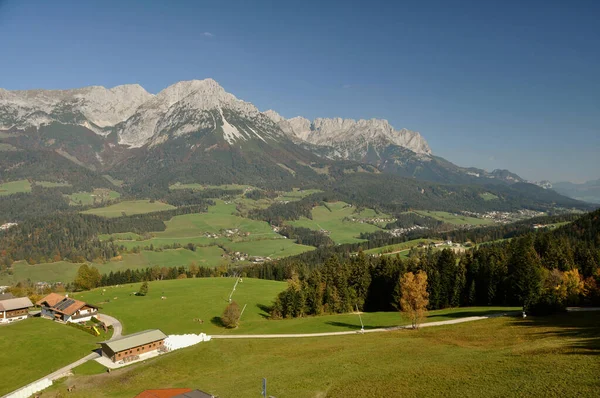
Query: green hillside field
x,y
9,188
503,357
129,207
36,347
206,298
336,222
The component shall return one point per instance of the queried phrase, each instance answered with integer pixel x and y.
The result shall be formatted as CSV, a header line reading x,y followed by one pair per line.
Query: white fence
x,y
31,389
177,341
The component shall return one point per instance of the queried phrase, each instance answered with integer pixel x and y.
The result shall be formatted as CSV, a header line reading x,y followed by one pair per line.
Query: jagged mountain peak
x,y
350,138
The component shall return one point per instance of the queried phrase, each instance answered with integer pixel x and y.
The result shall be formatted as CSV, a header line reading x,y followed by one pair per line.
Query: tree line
x,y
542,272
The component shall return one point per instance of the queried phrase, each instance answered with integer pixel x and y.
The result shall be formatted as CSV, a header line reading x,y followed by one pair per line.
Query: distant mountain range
x,y
588,191
195,131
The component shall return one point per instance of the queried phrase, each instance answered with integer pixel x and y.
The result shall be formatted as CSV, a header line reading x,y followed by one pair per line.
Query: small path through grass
x,y
378,330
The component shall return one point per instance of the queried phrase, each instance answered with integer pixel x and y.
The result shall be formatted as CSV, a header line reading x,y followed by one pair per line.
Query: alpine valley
x,y
196,132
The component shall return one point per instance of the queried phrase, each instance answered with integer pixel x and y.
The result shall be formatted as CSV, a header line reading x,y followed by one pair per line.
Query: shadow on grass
x,y
580,329
266,311
468,313
217,321
353,326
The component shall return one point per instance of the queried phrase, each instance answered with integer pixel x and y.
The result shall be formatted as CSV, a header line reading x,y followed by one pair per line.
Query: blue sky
x,y
492,84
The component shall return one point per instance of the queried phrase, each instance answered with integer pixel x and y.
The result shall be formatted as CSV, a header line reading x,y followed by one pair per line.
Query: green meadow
x,y
253,237
129,207
336,220
554,356
398,248
36,347
63,271
487,196
206,298
90,198
9,188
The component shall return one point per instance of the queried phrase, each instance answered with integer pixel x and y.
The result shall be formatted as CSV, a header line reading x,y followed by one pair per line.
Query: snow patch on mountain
x,y
230,133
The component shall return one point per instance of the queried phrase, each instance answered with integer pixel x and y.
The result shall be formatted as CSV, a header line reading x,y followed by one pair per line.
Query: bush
x,y
231,315
143,289
85,329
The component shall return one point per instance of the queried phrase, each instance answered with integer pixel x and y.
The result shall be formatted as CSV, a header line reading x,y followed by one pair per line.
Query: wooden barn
x,y
133,344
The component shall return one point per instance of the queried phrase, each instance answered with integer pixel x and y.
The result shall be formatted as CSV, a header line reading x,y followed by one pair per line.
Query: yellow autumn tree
x,y
414,298
573,285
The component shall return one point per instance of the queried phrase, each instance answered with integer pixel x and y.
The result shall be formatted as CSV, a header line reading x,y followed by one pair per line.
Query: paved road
x,y
117,330
378,330
117,327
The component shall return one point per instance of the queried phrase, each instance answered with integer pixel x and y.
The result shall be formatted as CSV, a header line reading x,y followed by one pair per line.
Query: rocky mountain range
x,y
128,117
195,131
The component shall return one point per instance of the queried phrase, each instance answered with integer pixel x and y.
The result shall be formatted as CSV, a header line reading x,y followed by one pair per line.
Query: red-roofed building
x,y
174,393
66,309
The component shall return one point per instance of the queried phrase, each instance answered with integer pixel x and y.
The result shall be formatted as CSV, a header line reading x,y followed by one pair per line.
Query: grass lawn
x,y
454,219
553,356
341,231
129,207
36,347
8,188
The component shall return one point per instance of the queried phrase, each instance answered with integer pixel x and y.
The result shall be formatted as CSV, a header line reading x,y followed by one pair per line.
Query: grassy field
x,y
36,347
341,230
8,188
114,181
502,357
63,271
201,187
206,298
254,237
454,219
90,198
487,196
203,298
398,248
129,207
296,194
274,248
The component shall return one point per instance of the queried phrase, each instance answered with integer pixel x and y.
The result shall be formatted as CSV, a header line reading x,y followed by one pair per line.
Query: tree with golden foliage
x,y
414,298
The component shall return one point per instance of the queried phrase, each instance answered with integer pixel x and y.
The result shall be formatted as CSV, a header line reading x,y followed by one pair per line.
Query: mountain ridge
x,y
195,131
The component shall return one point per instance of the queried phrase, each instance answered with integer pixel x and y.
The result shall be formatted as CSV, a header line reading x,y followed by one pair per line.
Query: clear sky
x,y
492,84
